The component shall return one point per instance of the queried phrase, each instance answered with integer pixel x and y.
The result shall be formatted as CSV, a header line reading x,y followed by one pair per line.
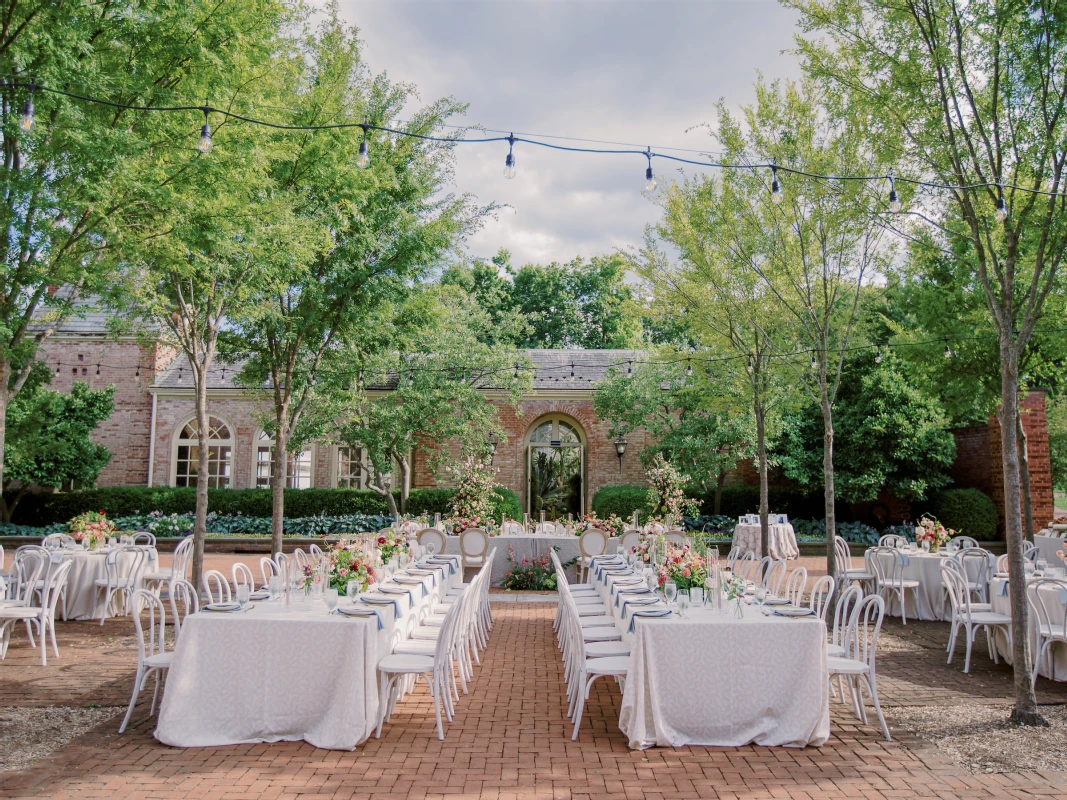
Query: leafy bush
x,y
711,523
532,574
740,498
128,501
621,500
969,512
855,532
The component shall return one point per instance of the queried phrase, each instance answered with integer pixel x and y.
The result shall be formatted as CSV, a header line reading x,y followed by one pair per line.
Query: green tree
x,y
971,96
88,182
49,439
888,435
1057,441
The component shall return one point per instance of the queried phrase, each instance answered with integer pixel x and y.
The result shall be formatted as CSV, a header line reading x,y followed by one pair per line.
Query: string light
x,y
814,363
948,350
750,368
650,179
205,134
26,119
629,369
689,368
180,379
572,372
463,377
1002,210
894,203
877,355
509,162
516,372
97,369
363,159
776,188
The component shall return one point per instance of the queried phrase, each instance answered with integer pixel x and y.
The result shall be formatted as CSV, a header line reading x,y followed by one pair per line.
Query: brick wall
x,y
1035,423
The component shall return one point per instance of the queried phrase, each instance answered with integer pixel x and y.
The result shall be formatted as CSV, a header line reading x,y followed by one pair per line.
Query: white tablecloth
x,y
1047,547
932,597
782,541
530,546
268,675
775,669
83,600
1002,605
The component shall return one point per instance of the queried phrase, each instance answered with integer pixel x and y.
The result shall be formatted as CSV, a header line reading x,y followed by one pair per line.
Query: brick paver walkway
x,y
509,739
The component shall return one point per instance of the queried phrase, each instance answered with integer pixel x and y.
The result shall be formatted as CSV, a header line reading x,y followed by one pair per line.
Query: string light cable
x,y
27,122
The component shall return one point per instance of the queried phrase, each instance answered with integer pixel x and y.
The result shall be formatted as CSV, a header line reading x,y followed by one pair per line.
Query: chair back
x,y
843,554
794,585
1048,599
123,566
893,540
845,603
184,600
446,638
775,575
759,576
144,538
29,564
431,537
1,558
629,540
1030,551
216,587
821,595
315,552
976,565
55,578
242,576
677,537
183,555
58,541
284,562
861,639
959,596
592,542
268,569
957,543
150,633
744,565
301,558
473,543
887,566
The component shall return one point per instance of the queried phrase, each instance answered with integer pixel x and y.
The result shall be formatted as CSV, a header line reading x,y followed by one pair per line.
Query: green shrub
x,y
621,500
740,498
969,512
506,502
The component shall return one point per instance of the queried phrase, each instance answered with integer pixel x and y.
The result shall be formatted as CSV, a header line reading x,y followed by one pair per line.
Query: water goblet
x,y
683,603
352,590
405,559
330,598
243,594
1042,566
761,596
276,587
670,591
650,579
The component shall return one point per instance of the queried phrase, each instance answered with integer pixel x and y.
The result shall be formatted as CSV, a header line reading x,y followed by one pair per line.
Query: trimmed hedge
x,y
128,501
621,500
970,512
740,498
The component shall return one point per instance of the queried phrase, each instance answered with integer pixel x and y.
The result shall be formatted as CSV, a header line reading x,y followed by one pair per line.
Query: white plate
x,y
228,607
793,611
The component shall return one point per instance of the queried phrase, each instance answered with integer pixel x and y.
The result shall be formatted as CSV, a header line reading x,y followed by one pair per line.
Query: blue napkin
x,y
648,613
378,601
637,601
636,590
354,613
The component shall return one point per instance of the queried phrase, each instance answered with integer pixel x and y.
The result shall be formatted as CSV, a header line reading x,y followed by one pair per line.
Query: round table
x,y
83,601
931,600
782,541
998,590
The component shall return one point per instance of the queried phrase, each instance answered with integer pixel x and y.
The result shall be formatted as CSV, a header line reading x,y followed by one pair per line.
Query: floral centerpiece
x,y
392,543
643,549
614,525
932,531
344,562
91,528
666,490
683,566
734,586
460,524
1058,523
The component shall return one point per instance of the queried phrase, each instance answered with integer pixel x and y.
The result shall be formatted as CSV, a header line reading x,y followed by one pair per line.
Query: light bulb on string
x,y
750,368
363,159
1002,210
463,377
516,372
180,379
776,188
948,351
894,203
629,369
650,179
97,369
204,146
26,119
814,363
57,369
689,368
877,355
509,162
572,372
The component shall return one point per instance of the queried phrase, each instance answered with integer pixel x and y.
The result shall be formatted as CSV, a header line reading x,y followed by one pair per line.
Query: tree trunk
x,y
203,443
5,399
717,505
405,470
8,511
279,466
1024,479
1025,711
764,489
828,485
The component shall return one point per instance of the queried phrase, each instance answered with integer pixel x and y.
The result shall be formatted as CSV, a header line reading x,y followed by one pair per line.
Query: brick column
x,y
1035,423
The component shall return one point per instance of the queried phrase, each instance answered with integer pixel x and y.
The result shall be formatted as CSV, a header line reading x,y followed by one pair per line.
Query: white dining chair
x,y
976,565
315,552
242,576
153,658
858,664
775,576
1047,598
43,616
845,603
957,543
285,563
431,537
846,570
822,593
1031,551
1002,563
184,600
267,569
155,580
592,542
677,537
144,538
964,616
123,570
58,541
629,540
794,585
745,565
892,540
216,587
887,564
473,546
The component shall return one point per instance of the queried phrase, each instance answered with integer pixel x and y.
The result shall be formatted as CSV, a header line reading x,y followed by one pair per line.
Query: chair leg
x,y
42,634
133,701
578,713
52,633
384,685
155,695
437,706
970,634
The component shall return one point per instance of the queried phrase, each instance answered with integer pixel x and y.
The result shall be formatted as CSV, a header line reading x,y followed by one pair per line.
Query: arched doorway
x,y
555,468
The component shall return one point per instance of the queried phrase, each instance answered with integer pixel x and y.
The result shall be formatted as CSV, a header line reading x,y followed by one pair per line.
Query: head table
x,y
269,674
529,545
711,678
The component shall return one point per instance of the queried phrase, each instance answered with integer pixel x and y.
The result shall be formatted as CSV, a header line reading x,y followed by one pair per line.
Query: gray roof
x,y
89,317
552,370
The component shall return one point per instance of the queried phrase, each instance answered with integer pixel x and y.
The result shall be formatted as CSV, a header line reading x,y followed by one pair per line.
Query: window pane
x,y
298,470
263,467
348,467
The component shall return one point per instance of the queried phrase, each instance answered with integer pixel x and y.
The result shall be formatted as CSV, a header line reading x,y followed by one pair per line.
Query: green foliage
x,y
969,512
532,574
1057,441
621,500
888,436
48,438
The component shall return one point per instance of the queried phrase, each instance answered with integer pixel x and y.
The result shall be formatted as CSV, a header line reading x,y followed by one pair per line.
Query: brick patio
x,y
509,739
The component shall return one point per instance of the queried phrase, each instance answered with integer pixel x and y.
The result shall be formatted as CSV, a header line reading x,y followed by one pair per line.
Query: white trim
x,y
152,441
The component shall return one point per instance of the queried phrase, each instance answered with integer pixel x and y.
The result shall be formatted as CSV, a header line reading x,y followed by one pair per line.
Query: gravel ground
x,y
979,738
891,643
32,733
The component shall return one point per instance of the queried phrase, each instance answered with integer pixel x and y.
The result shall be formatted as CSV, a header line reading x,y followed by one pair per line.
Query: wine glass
x,y
352,590
330,598
1042,566
670,591
683,603
276,587
761,596
650,579
242,594
405,559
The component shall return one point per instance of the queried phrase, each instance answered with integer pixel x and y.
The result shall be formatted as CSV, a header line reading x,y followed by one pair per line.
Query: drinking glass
x,y
926,547
650,579
242,594
330,598
352,590
405,559
276,587
670,591
696,595
761,596
683,603
431,547
1042,566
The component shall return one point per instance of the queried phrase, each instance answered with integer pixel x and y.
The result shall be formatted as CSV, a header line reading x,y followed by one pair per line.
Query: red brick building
x,y
556,445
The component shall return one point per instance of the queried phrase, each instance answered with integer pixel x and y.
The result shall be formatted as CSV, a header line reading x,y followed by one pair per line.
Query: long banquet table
x,y
526,545
270,674
773,670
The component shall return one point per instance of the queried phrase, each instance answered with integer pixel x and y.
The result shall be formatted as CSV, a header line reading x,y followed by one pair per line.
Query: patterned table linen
x,y
783,542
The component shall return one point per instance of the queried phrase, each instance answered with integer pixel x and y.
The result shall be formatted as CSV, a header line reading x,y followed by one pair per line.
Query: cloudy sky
x,y
634,72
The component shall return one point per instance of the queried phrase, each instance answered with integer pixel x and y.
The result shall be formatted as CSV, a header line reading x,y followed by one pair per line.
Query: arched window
x,y
555,468
219,455
298,472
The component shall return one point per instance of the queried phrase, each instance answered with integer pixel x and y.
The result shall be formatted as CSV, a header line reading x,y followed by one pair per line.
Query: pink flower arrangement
x,y
932,531
93,527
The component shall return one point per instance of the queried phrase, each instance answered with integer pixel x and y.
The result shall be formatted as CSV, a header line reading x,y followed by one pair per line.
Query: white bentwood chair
x,y
216,587
153,658
242,576
794,586
43,616
1047,597
857,666
268,569
123,573
184,601
976,565
964,615
183,555
821,595
887,564
893,540
845,568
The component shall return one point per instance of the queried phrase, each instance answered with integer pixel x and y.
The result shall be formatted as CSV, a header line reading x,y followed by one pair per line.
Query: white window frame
x,y
265,440
180,441
336,466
